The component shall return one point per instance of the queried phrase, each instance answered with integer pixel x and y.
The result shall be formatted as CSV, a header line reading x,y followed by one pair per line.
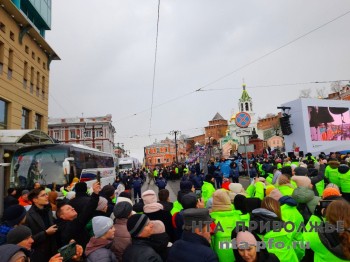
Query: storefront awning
x,y
24,137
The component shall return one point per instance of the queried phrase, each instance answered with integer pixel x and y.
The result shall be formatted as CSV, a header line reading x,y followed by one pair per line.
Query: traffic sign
x,y
243,119
244,131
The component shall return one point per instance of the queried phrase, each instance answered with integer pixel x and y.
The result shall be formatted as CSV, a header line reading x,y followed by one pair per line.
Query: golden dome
x,y
233,117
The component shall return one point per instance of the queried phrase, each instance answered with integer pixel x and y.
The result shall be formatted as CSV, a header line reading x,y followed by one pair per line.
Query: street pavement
x,y
174,187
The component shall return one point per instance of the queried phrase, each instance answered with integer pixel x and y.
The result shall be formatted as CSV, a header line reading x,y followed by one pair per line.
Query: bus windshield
x,y
43,165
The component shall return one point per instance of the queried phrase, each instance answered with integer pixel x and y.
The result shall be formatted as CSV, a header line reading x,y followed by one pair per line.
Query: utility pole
x,y
175,132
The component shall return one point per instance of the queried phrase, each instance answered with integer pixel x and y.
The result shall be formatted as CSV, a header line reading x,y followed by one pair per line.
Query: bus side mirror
x,y
66,165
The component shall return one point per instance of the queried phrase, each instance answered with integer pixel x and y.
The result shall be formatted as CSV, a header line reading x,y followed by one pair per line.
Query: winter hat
x,y
302,181
268,190
102,203
136,224
123,199
261,179
158,227
332,185
221,201
239,203
301,171
25,192
100,225
80,187
245,239
18,234
189,201
208,178
196,215
107,191
149,197
226,185
122,210
13,215
331,191
185,185
70,195
275,194
235,187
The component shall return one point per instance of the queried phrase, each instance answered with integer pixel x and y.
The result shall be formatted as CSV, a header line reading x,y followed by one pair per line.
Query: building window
x,y
31,79
10,65
98,133
56,134
246,107
72,134
166,149
33,55
38,121
26,49
157,149
158,160
12,36
37,83
44,65
87,133
43,88
2,50
25,119
39,60
3,114
2,27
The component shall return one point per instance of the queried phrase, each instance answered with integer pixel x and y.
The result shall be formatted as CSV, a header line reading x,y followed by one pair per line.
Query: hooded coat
x,y
304,195
326,247
98,250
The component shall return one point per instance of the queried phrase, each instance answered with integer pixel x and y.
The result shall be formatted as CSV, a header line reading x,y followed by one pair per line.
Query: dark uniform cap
x,y
196,215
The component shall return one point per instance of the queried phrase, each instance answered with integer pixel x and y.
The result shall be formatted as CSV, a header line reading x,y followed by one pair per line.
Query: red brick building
x,y
216,129
163,153
343,94
267,126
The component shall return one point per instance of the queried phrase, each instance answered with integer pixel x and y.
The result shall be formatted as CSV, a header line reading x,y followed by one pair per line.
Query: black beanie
x,y
122,210
80,187
186,185
18,234
14,214
189,201
107,191
136,223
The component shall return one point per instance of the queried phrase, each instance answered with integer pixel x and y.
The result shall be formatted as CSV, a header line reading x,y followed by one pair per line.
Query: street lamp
x,y
175,132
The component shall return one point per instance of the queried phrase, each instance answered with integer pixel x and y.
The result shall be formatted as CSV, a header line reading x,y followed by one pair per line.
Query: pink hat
x,y
149,197
245,239
302,181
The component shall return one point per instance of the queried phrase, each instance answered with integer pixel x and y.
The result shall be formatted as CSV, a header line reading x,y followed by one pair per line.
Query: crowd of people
x,y
214,218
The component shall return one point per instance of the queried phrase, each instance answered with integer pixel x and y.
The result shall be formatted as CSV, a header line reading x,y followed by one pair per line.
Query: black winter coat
x,y
44,246
141,250
79,202
75,229
191,248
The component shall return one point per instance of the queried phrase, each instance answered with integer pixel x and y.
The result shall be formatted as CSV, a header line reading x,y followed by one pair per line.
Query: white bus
x,y
60,163
128,163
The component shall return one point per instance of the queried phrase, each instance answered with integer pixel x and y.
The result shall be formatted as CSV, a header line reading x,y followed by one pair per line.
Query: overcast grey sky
x,y
107,49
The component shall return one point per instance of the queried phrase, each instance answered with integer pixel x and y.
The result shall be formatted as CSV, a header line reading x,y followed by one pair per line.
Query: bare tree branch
x,y
305,93
321,92
336,86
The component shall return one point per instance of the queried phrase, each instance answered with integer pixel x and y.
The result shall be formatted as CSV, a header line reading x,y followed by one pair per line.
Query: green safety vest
x,y
291,213
279,166
256,190
320,187
321,253
286,190
177,207
333,175
269,178
207,191
345,182
286,254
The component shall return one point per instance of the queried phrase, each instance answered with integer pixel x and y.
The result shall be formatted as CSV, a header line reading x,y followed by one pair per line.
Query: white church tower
x,y
245,104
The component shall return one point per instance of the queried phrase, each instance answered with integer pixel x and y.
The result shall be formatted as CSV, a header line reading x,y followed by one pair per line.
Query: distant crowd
x,y
211,219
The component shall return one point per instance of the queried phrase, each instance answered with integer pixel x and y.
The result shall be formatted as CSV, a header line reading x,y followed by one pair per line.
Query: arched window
x,y
246,107
242,108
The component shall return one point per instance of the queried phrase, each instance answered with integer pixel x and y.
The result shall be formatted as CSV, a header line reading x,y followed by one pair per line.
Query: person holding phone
x,y
41,222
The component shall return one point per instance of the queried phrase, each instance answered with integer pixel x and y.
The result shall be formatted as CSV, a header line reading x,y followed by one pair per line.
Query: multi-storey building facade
x,y
25,57
96,132
163,153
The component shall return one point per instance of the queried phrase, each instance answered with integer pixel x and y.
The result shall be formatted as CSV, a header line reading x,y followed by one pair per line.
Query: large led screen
x,y
329,123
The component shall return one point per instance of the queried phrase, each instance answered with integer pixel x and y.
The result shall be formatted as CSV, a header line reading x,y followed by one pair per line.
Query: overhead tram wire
x,y
241,67
274,50
154,71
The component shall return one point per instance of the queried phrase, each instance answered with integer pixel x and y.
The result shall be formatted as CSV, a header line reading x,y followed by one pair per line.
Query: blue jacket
x,y
137,183
192,248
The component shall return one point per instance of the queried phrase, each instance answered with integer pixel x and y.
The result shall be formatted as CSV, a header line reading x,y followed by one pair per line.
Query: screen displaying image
x,y
329,123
